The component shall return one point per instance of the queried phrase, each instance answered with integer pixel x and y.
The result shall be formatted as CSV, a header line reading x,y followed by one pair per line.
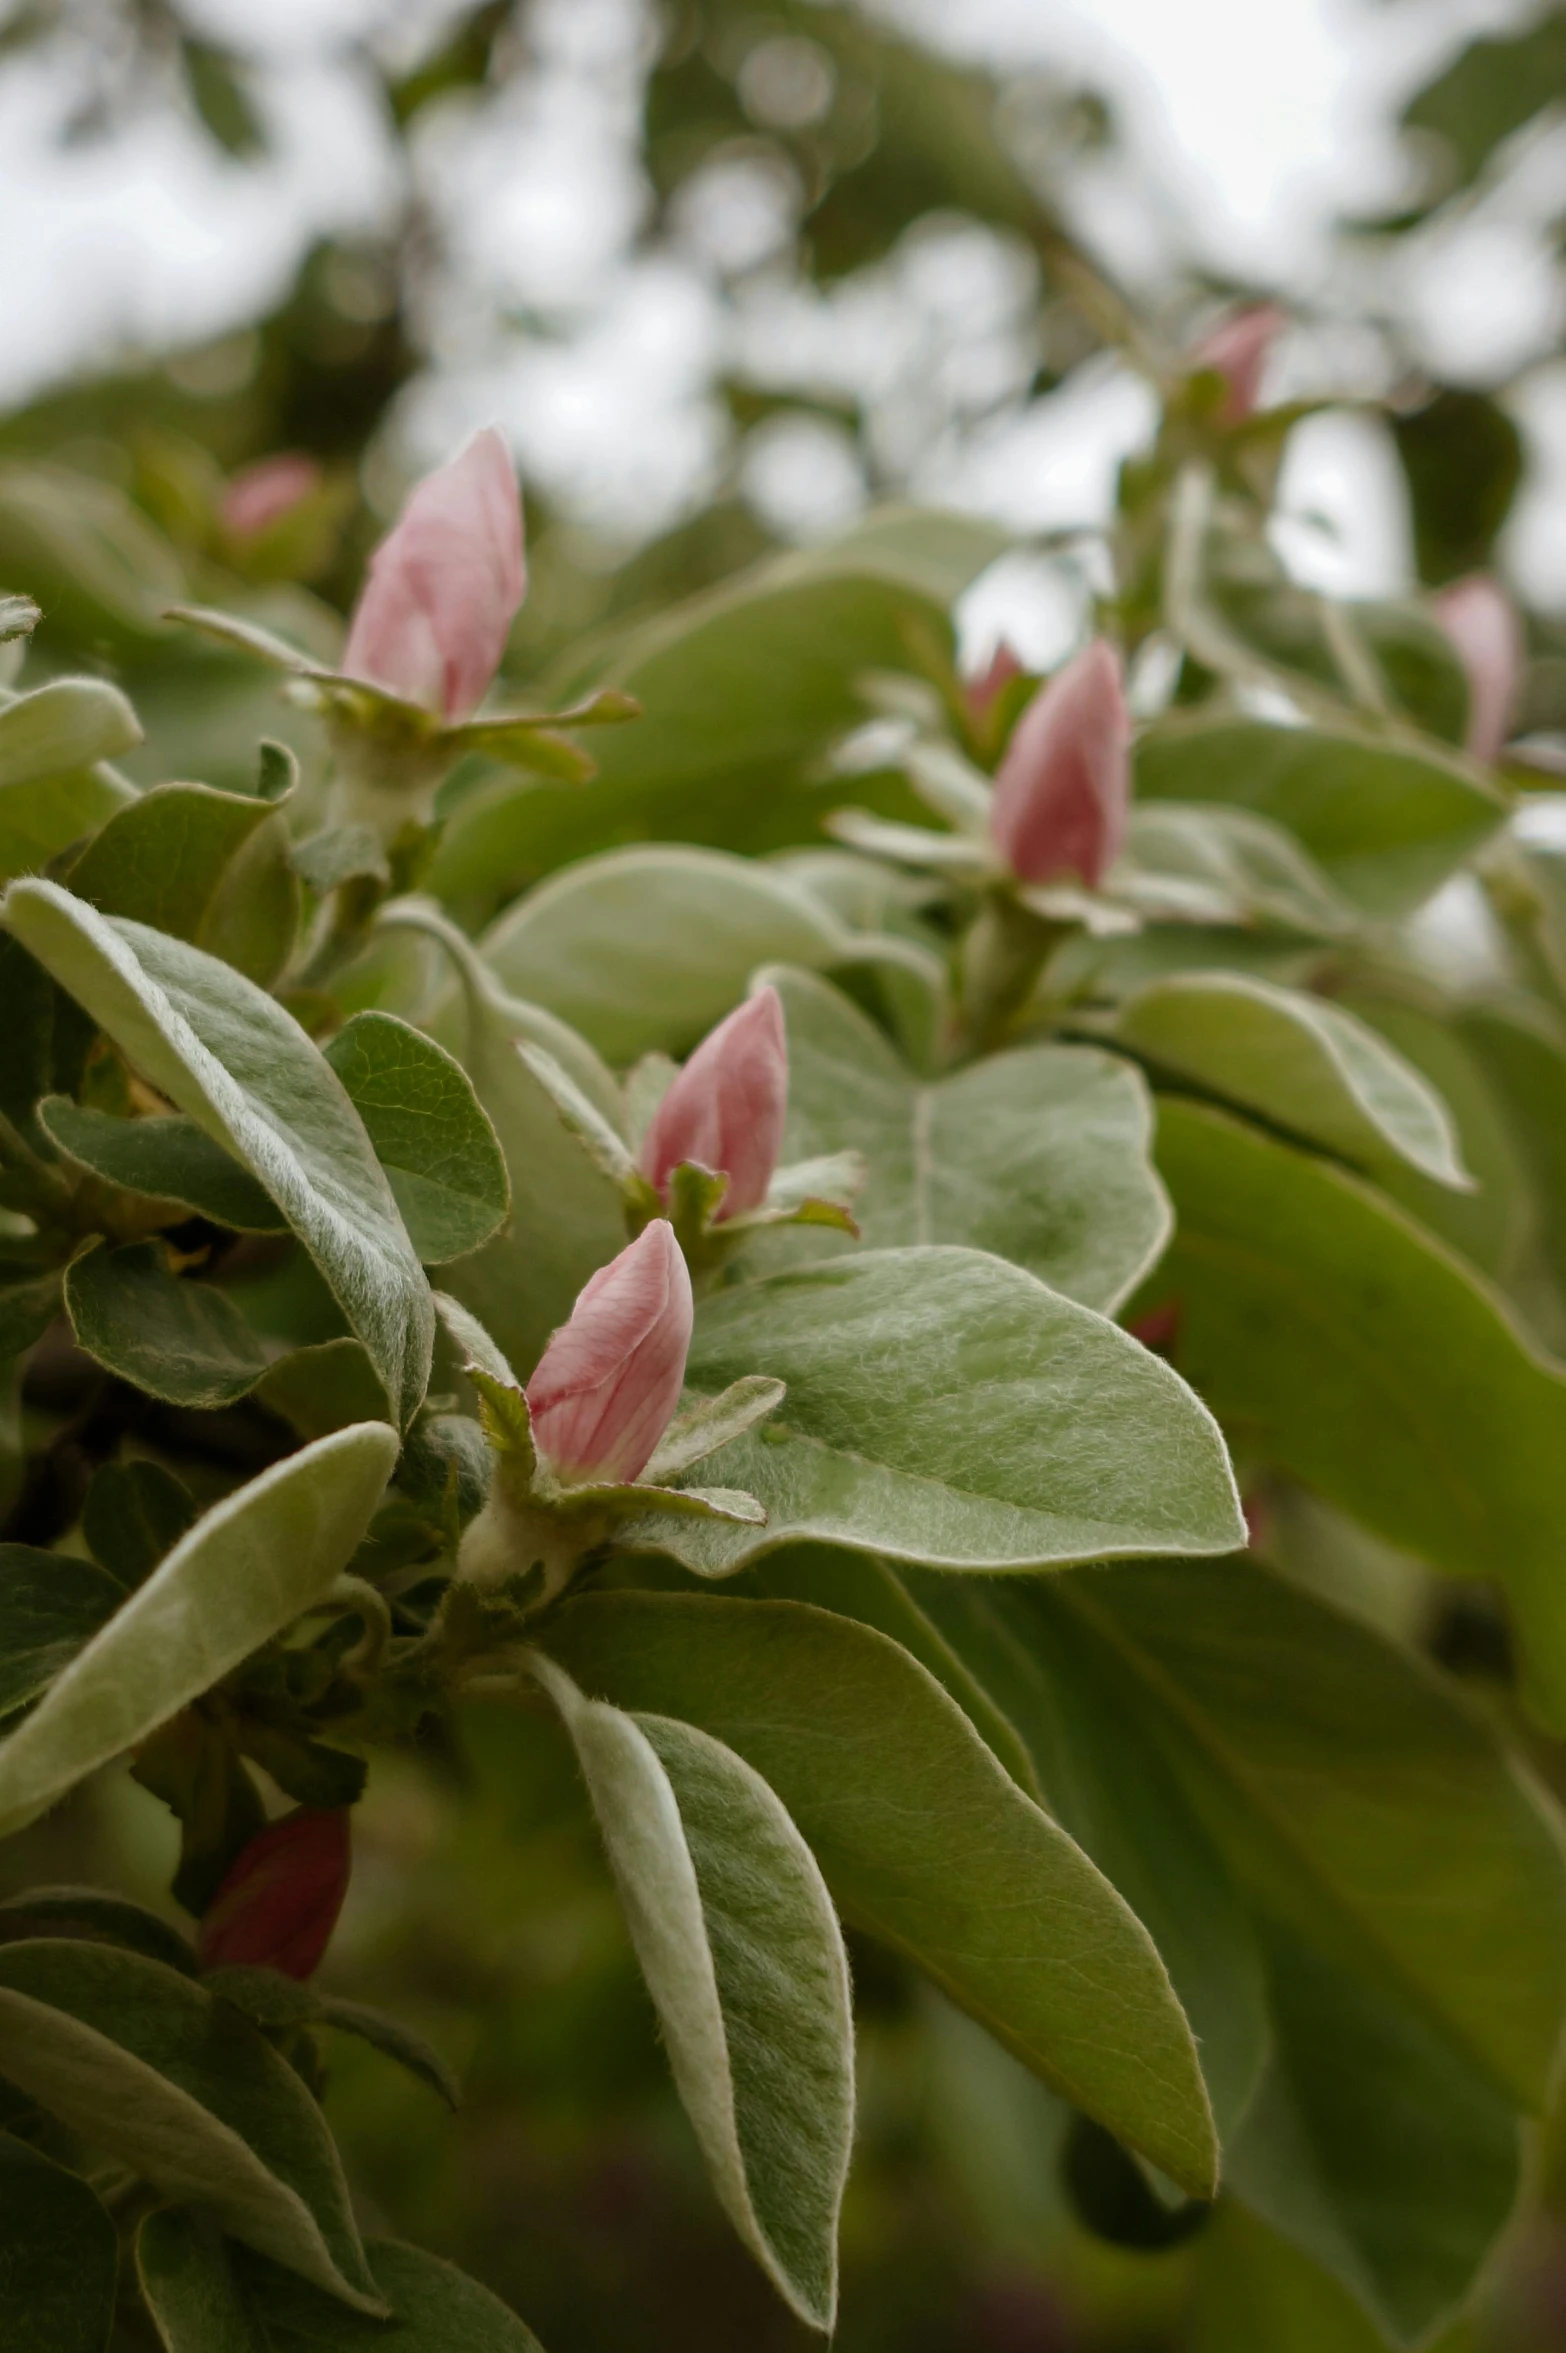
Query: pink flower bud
x,y
727,1107
262,494
278,1905
610,1379
1238,347
444,586
1481,621
984,689
1062,791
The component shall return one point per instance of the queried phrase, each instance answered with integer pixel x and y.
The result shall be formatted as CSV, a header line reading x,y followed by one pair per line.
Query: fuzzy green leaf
x,y
244,1572
244,1070
59,2256
924,1839
1042,1155
441,1155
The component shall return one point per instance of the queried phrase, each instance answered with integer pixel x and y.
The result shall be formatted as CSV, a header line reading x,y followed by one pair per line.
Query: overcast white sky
x,y
1251,124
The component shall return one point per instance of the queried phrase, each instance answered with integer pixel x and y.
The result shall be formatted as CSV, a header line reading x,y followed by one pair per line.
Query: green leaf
x,y
166,1157
135,1512
209,2298
86,551
1106,1780
1375,2146
53,791
26,1312
648,947
192,1764
566,1217
1346,1345
1386,823
69,724
324,1388
177,1339
741,690
1190,862
924,1839
51,1605
244,1070
162,860
740,1947
1303,1063
395,2041
89,1913
441,1155
943,1406
59,2256
146,2065
1042,1155
714,1422
244,1572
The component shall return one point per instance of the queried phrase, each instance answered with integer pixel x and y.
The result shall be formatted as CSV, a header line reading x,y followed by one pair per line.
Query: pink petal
x,y
1481,621
1064,787
444,586
727,1108
1238,348
263,493
608,1382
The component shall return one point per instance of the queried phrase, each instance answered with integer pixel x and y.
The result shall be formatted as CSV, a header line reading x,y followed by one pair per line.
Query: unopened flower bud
x,y
607,1384
264,493
278,1905
1063,789
1238,348
727,1107
432,620
1481,621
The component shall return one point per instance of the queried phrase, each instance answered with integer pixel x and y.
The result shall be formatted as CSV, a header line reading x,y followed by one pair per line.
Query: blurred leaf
x,y
924,1840
246,1072
324,1388
741,690
68,724
1338,1340
1388,825
59,2256
217,86
441,1155
1376,2146
1491,89
144,2064
245,1571
1042,1155
210,2298
85,552
1463,457
177,1339
1303,1063
742,1954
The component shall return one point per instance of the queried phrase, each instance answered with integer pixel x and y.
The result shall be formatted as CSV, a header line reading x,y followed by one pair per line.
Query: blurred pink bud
x,y
278,1905
262,494
610,1379
989,683
1063,789
1481,621
727,1107
433,617
1238,347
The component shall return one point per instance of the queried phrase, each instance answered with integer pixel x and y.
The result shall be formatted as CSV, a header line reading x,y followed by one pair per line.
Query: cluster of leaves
x,y
1239,1877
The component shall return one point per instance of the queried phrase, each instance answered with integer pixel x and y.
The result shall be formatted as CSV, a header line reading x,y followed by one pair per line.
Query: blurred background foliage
x,y
827,266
